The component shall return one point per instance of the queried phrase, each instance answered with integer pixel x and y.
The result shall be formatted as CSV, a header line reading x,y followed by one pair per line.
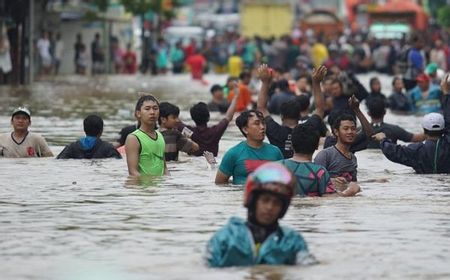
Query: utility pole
x,y
30,75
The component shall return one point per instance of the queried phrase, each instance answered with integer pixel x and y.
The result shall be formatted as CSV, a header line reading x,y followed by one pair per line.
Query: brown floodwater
x,y
83,219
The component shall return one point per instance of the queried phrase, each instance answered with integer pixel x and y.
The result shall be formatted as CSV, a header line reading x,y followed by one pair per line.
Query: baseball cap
x,y
21,110
433,122
423,78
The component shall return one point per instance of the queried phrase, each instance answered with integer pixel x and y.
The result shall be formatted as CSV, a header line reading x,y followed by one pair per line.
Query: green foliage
x,y
102,4
140,7
444,16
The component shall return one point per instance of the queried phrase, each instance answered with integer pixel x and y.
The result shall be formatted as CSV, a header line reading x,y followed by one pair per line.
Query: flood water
x,y
70,219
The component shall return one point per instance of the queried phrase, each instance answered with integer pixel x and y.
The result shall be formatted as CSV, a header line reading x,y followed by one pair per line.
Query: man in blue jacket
x,y
431,156
260,239
91,146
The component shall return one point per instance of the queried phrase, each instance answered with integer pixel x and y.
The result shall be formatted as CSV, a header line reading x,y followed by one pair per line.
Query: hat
x,y
21,110
422,78
433,122
431,68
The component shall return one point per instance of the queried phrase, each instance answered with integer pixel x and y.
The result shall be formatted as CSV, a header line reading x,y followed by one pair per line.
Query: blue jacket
x,y
426,105
431,156
233,245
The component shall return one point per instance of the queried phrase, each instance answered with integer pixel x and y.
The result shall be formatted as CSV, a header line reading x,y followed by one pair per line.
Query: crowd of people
x,y
50,50
273,172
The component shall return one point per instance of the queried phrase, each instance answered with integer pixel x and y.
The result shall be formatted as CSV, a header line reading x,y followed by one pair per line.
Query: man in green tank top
x,y
145,146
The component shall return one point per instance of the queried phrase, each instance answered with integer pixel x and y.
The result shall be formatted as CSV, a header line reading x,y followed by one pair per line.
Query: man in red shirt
x,y
197,63
129,59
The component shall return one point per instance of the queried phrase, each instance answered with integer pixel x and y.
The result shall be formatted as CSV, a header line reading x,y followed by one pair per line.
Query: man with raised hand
x,y
432,155
281,135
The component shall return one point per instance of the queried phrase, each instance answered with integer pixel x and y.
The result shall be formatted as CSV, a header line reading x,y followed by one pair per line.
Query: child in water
x,y
260,239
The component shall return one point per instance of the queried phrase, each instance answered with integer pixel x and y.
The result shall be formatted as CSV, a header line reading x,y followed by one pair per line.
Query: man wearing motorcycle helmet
x,y
260,239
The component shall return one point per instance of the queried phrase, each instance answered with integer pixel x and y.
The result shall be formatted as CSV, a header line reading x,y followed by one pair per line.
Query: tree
x,y
444,16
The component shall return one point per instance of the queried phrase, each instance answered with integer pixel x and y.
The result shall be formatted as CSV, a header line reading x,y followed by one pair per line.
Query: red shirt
x,y
197,62
129,59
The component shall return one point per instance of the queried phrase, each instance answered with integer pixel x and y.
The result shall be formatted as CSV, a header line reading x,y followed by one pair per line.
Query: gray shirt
x,y
337,164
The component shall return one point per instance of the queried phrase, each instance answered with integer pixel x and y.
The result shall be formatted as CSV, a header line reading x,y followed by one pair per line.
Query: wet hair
x,y
290,109
305,139
307,77
283,85
93,125
416,37
342,117
433,133
242,120
337,81
244,75
124,133
215,88
200,113
373,80
377,107
231,78
166,109
144,98
303,102
395,79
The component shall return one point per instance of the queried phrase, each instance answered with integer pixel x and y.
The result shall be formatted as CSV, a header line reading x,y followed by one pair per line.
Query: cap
x,y
21,110
431,68
433,122
422,78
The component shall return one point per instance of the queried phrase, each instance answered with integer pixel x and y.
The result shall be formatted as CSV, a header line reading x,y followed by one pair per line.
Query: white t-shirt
x,y
43,46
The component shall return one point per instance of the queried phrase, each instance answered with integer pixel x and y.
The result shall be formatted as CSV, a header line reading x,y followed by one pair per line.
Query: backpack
x,y
403,62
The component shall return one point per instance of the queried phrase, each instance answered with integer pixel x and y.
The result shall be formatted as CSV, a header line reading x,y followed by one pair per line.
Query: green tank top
x,y
151,158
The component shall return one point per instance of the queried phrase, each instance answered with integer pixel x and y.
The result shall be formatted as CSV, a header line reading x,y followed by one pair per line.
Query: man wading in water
x,y
21,142
260,239
145,146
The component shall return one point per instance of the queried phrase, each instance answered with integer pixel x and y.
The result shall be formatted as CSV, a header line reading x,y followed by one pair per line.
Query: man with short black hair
x,y
207,137
90,146
21,142
245,157
175,140
218,103
377,110
280,134
340,162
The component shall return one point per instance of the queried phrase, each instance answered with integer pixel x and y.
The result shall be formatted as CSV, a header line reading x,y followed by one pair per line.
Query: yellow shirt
x,y
235,65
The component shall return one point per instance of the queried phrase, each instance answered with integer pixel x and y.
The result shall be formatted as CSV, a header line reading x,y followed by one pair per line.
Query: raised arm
x,y
354,104
232,108
361,91
445,87
265,76
319,101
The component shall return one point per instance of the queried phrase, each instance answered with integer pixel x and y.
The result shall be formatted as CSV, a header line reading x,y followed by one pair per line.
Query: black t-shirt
x,y
124,133
392,132
280,135
101,149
